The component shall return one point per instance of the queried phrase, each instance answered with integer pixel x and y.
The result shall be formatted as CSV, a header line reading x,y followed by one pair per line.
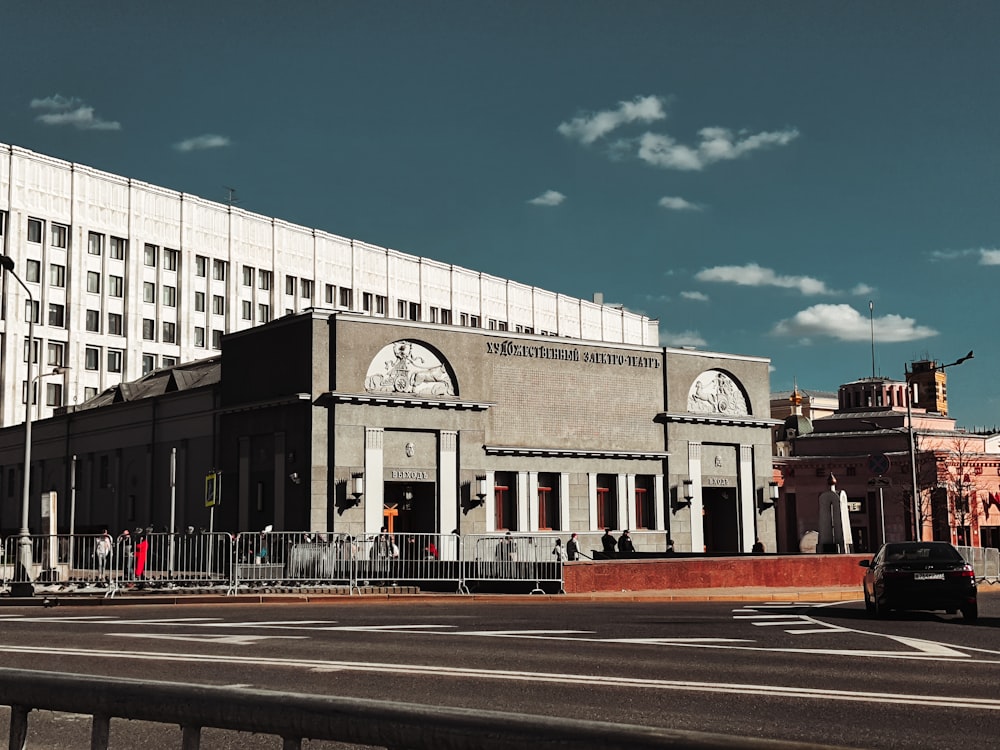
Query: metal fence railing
x,y
985,562
293,716
145,560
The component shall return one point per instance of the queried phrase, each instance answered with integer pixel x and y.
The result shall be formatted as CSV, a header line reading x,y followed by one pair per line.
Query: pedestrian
x,y
609,542
572,548
625,545
127,560
758,547
559,551
670,546
141,550
102,551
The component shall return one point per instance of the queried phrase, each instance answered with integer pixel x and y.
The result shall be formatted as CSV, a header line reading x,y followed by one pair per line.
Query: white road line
x,y
409,670
231,640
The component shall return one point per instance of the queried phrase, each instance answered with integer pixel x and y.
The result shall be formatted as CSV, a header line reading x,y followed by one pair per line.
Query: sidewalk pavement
x,y
49,596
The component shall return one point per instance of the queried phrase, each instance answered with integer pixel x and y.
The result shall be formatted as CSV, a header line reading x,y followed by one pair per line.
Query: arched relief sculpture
x,y
410,368
715,392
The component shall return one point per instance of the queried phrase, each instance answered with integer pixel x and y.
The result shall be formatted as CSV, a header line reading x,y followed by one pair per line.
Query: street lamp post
x,y
24,576
917,525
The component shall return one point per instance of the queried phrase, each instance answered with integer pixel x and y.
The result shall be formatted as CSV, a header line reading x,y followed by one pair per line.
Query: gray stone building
x,y
335,421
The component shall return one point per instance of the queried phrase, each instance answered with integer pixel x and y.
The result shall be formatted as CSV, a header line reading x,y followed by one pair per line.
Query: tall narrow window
x,y
200,266
248,272
219,270
505,496
95,243
645,515
149,255
607,501
93,282
548,501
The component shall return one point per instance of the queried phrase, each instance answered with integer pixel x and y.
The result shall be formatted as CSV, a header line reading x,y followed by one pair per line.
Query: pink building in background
x,y
865,444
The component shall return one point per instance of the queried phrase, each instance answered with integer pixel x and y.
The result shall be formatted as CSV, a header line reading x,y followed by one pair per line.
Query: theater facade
x,y
337,422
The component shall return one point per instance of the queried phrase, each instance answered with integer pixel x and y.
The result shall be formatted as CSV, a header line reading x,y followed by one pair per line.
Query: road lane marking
x,y
230,640
603,680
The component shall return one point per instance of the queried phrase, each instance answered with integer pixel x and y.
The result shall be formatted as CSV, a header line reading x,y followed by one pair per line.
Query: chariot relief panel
x,y
715,392
409,368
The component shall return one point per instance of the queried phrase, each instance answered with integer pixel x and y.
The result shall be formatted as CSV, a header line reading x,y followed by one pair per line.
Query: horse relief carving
x,y
407,367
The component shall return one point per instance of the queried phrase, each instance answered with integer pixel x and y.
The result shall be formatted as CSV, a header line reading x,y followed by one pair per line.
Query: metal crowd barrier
x,y
512,558
162,560
141,560
985,562
294,717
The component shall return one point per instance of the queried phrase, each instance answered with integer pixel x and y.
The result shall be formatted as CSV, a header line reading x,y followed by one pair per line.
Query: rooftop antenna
x,y
232,195
871,318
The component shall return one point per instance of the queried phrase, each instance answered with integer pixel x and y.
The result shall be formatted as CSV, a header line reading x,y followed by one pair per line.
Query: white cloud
x,y
589,127
752,274
675,203
844,323
862,290
684,338
715,145
548,198
202,142
63,110
696,296
989,257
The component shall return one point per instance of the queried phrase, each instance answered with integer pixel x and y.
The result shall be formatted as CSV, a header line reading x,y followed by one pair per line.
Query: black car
x,y
920,575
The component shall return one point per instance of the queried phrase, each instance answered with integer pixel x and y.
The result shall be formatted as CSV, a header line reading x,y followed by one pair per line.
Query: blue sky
x,y
751,174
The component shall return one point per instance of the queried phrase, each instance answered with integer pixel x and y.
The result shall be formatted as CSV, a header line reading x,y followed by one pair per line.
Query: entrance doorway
x,y
721,520
410,508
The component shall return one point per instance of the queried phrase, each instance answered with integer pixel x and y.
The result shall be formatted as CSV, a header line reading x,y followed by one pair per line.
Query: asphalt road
x,y
822,672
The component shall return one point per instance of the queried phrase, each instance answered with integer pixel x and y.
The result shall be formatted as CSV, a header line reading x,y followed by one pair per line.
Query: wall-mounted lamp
x,y
685,494
771,498
477,493
357,488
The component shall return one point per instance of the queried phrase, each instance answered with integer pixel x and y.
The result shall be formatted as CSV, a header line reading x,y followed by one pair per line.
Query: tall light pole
x,y
25,589
917,526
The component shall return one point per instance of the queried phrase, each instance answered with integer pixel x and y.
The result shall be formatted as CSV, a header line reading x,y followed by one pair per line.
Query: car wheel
x,y
869,606
881,611
971,612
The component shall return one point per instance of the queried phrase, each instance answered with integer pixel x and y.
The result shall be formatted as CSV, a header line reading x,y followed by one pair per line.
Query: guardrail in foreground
x,y
294,717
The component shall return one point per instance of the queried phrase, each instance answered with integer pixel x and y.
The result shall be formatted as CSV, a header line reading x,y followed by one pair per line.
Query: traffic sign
x,y
213,496
878,463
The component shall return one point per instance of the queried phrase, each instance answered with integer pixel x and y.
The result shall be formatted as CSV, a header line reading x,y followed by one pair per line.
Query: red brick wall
x,y
713,572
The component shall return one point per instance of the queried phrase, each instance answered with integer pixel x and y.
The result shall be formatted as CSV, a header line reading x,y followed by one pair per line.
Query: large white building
x,y
127,277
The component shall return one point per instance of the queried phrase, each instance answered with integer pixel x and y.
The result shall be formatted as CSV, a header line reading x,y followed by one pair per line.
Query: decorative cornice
x,y
719,419
371,399
510,450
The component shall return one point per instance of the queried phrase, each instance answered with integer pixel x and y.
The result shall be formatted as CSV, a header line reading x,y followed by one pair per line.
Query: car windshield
x,y
919,552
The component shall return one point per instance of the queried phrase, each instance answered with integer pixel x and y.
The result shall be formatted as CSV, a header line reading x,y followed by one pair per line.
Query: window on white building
x,y
199,336
169,332
200,266
148,292
218,304
94,321
149,255
92,358
59,234
57,315
116,286
169,259
56,353
34,230
170,296
248,272
115,326
114,360
116,248
95,243
148,329
33,271
219,270
93,282
57,275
